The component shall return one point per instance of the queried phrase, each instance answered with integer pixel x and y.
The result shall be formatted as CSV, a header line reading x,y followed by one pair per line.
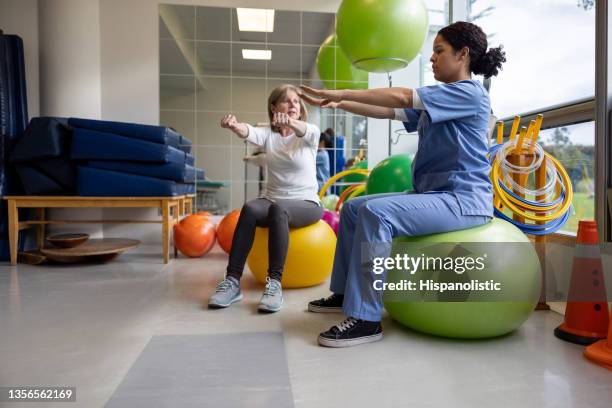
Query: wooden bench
x,y
171,209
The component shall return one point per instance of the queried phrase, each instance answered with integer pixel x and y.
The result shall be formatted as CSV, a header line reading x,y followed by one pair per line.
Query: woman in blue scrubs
x,y
452,190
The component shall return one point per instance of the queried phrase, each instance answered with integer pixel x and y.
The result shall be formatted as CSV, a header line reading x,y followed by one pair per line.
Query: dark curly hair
x,y
482,62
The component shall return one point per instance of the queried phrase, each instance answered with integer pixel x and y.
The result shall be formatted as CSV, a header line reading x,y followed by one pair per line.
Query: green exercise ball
x,y
381,35
335,70
392,175
511,260
355,178
329,201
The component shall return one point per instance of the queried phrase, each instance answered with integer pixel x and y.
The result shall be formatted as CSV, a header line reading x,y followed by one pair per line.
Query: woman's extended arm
x,y
377,112
383,97
229,122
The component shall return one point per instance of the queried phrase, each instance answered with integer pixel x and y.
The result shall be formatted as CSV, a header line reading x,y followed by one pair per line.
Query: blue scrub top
x,y
452,149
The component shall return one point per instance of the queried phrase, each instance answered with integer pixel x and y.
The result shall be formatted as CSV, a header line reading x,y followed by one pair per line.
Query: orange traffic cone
x,y
586,314
601,351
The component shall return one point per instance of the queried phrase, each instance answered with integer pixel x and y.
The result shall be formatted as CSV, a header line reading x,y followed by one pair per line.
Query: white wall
x,y
69,40
20,17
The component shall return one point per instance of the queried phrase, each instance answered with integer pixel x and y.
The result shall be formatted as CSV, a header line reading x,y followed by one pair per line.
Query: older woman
x,y
290,198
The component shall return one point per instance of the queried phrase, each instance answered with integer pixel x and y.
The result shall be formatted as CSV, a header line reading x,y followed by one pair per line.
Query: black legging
x,y
278,216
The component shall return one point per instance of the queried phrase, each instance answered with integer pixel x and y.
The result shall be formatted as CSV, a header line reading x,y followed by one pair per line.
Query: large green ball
x,y
381,35
512,260
335,70
392,175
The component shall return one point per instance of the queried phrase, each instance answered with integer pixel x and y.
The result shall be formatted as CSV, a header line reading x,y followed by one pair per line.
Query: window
x,y
550,50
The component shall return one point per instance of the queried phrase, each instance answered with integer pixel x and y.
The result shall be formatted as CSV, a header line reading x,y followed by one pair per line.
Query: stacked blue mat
x,y
13,120
126,159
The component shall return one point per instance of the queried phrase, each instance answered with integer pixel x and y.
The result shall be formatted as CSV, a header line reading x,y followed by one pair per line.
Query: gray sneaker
x,y
272,298
227,292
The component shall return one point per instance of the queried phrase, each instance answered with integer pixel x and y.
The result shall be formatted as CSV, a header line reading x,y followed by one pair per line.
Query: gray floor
x,y
129,328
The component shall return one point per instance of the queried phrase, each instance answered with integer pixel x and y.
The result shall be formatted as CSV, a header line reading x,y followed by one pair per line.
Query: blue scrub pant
x,y
369,223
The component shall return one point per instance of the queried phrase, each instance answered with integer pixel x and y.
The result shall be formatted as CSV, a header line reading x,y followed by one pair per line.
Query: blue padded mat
x,y
36,182
156,134
94,145
185,144
43,138
188,188
170,171
106,183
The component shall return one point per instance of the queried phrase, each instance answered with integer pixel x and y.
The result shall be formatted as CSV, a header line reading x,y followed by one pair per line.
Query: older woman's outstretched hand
x,y
281,120
229,122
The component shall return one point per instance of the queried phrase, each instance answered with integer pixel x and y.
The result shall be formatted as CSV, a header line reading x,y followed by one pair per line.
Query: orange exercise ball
x,y
194,236
225,230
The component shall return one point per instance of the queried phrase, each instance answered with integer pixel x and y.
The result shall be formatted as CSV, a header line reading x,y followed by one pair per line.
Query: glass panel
x,y
248,95
212,58
209,133
286,28
176,92
175,57
574,147
213,24
316,27
182,121
176,22
438,18
215,160
557,67
213,94
248,67
286,62
203,75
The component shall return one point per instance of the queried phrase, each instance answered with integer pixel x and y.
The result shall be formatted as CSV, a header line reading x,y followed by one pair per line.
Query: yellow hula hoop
x,y
539,209
510,201
345,194
360,189
333,179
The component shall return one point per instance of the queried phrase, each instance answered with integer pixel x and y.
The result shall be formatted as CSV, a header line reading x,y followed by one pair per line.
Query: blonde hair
x,y
280,93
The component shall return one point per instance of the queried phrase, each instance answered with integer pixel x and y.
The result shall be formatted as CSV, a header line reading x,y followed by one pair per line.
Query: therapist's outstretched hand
x,y
323,103
328,94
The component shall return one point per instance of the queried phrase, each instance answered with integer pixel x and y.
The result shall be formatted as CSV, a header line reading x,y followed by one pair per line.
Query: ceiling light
x,y
260,20
257,54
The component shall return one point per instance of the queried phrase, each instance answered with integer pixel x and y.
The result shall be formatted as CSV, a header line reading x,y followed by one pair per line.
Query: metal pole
x,y
390,137
602,123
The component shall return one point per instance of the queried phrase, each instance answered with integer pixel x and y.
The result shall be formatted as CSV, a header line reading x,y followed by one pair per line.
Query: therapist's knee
x,y
350,209
370,210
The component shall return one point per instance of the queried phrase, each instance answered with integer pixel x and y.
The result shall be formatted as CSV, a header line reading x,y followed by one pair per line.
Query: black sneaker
x,y
330,304
351,332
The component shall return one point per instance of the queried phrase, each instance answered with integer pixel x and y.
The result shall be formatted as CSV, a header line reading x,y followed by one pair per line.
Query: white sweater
x,y
290,161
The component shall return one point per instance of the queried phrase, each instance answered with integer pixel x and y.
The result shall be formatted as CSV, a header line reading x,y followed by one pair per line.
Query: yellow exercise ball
x,y
309,259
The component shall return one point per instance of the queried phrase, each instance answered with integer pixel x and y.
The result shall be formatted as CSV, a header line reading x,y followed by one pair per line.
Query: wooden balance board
x,y
92,250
